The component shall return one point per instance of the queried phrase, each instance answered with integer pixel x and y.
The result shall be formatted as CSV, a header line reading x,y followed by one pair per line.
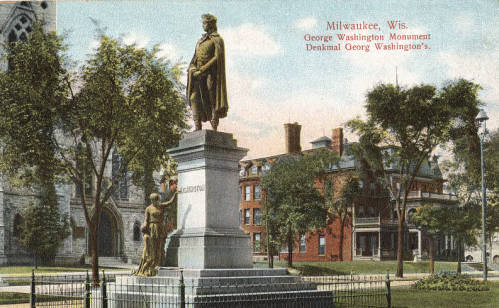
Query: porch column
x,y
419,245
354,244
379,244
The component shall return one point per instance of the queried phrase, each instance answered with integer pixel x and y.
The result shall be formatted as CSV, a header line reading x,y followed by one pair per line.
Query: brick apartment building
x,y
371,233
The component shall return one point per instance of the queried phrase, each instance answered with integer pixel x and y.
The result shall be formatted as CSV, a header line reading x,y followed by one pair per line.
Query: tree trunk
x,y
149,185
290,250
270,257
458,271
95,255
400,248
432,256
342,234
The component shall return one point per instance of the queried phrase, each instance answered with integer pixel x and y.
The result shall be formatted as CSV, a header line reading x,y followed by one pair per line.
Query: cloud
x,y
249,39
94,44
169,52
139,40
306,23
464,23
257,122
472,66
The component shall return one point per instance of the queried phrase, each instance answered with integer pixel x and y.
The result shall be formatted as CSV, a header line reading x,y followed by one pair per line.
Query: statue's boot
x,y
214,123
197,123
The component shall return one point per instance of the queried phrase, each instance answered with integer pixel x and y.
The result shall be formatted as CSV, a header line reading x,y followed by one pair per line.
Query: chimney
x,y
292,132
337,142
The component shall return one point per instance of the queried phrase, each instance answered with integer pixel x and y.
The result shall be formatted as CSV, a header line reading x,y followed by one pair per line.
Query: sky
x,y
272,79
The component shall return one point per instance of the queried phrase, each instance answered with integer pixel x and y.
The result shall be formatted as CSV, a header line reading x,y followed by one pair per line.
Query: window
x,y
254,170
361,184
322,245
371,211
257,192
256,242
303,244
136,231
18,225
119,177
246,216
84,166
242,171
247,193
265,169
361,211
372,188
257,217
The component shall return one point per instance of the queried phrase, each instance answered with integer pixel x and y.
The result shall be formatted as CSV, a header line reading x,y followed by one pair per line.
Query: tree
x,y
430,219
422,122
32,99
127,100
292,200
43,230
339,205
460,222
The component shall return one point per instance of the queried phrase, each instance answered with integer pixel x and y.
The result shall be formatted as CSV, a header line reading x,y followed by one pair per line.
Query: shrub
x,y
450,282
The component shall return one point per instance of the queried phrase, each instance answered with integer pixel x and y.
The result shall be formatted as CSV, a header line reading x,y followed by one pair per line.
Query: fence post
x,y
103,290
182,290
87,291
32,299
388,293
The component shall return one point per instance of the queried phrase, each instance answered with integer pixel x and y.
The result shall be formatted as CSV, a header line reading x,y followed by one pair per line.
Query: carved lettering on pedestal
x,y
191,189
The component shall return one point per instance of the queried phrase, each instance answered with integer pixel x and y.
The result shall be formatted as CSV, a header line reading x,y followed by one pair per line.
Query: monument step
x,y
212,285
229,272
289,298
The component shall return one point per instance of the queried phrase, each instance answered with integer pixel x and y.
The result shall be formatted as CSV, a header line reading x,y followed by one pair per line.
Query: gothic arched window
x,y
84,167
119,177
136,231
20,28
18,225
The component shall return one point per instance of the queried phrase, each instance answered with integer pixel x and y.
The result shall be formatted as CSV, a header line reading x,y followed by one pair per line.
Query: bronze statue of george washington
x,y
206,86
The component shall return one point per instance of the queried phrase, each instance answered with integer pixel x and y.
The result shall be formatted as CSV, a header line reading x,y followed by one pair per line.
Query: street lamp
x,y
482,118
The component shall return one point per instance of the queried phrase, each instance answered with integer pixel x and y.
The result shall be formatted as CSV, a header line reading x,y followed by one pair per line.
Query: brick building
x,y
371,233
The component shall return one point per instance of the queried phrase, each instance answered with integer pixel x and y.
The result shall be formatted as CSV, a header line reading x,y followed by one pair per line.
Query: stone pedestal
x,y
208,256
208,235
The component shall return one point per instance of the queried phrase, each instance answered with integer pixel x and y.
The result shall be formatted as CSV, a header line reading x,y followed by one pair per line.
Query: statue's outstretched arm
x,y
167,203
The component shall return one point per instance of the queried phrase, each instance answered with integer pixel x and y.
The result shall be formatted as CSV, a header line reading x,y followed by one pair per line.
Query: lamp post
x,y
482,118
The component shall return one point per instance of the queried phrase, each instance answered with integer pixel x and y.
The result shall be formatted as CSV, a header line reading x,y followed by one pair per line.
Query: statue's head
x,y
209,22
154,197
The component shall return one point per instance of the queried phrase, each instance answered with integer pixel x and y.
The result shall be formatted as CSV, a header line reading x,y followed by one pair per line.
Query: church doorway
x,y
109,235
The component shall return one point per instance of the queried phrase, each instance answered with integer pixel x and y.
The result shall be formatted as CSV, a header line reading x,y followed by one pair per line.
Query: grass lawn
x,y
412,298
364,267
13,298
26,270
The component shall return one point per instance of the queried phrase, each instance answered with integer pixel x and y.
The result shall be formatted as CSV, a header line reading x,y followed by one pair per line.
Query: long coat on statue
x,y
220,103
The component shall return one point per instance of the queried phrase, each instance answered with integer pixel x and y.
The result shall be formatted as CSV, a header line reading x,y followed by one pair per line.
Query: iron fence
x,y
125,291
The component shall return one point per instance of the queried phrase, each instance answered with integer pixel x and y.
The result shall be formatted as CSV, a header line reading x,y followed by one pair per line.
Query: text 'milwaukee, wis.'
x,y
392,35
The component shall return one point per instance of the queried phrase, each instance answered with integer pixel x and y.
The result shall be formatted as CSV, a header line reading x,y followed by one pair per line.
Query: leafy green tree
x,y
32,99
293,201
43,230
423,121
127,100
339,205
460,222
430,219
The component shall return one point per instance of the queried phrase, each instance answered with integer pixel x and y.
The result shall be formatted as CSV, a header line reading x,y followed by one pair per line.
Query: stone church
x,y
119,236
